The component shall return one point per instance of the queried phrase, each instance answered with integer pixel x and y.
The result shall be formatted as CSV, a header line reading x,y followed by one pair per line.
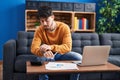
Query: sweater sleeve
x,y
36,42
66,45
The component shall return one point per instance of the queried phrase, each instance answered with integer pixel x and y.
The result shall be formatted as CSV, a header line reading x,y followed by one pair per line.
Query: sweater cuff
x,y
52,47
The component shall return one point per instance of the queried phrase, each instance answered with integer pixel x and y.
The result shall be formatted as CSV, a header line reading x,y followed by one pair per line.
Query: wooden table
x,y
101,68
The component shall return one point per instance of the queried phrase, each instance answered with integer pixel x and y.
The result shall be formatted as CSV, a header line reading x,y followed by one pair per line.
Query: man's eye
x,y
42,21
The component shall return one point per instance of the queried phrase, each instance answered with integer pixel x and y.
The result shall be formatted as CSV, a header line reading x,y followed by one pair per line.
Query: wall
x,y
71,0
12,14
12,20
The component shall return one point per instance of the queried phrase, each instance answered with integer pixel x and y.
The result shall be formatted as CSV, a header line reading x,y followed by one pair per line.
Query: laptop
x,y
94,55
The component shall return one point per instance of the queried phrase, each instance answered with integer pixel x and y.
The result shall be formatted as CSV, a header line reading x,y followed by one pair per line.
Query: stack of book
x,y
81,23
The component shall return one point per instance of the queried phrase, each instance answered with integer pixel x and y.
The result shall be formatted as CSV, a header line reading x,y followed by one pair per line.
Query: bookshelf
x,y
31,18
90,16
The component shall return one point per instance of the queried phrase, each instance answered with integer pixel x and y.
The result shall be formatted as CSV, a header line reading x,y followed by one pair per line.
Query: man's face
x,y
47,23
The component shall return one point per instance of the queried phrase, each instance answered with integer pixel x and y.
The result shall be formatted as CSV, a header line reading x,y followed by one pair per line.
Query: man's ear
x,y
53,16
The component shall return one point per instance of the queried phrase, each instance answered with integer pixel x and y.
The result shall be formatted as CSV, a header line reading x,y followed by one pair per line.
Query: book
x,y
85,23
75,23
80,24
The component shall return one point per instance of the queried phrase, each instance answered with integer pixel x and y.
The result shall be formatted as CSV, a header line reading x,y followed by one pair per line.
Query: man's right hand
x,y
44,48
49,54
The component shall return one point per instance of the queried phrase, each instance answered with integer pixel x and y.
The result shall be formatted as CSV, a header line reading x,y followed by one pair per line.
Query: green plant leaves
x,y
108,13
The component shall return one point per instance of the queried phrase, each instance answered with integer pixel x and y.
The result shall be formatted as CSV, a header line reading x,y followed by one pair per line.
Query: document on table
x,y
61,66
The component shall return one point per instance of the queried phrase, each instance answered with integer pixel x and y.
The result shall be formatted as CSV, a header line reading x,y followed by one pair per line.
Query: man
x,y
52,40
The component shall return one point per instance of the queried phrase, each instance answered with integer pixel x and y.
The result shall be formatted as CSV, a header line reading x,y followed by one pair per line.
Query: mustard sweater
x,y
59,40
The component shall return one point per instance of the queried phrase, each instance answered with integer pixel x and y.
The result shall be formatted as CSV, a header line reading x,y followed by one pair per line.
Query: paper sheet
x,y
60,66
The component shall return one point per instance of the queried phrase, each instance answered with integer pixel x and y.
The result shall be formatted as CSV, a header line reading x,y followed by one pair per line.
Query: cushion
x,y
112,39
79,40
24,41
20,62
114,59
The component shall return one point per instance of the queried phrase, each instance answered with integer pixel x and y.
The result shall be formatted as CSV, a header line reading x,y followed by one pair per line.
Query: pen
x,y
55,54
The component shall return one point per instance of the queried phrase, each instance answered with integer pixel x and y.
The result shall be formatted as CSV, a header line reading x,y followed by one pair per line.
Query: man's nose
x,y
44,23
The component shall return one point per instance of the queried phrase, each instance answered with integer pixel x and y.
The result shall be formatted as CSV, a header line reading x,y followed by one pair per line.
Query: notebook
x,y
94,55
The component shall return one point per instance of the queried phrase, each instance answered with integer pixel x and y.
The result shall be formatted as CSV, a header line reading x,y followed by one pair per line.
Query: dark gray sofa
x,y
17,52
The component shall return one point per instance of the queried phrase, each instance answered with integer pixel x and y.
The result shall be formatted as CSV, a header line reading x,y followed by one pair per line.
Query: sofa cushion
x,y
20,62
79,40
24,41
114,59
112,39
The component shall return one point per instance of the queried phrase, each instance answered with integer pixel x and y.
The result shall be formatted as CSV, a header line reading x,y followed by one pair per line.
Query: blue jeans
x,y
68,56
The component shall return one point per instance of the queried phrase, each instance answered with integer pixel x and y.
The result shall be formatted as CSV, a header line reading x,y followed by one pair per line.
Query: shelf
x,y
80,30
31,18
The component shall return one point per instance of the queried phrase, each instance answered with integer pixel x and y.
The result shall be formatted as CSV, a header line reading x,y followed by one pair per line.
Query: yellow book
x,y
75,23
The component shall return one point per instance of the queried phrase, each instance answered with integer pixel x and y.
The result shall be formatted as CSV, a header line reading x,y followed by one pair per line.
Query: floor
x,y
0,71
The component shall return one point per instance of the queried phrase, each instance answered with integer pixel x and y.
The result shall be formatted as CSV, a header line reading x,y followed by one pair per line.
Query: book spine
x,y
80,23
75,23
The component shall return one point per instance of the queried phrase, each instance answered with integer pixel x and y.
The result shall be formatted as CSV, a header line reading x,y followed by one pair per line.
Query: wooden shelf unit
x,y
31,17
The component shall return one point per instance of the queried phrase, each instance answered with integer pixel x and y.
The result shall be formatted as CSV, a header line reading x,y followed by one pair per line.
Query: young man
x,y
52,40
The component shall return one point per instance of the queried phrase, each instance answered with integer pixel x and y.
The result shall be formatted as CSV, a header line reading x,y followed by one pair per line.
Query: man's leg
x,y
43,76
74,76
67,56
70,56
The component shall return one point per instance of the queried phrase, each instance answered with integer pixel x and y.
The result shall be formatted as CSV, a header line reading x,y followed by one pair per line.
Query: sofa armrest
x,y
9,54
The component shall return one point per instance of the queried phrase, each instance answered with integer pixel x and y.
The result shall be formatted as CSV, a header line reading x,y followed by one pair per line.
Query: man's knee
x,y
72,56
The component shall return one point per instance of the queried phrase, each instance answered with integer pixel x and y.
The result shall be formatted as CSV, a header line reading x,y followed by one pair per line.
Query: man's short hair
x,y
45,12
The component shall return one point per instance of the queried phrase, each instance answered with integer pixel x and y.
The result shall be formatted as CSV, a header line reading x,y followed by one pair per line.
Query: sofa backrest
x,y
24,40
112,39
79,40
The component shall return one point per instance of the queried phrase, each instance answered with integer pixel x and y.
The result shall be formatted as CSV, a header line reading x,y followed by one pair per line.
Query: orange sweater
x,y
59,40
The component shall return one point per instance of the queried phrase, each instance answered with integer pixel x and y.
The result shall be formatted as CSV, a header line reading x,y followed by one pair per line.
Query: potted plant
x,y
37,24
108,16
